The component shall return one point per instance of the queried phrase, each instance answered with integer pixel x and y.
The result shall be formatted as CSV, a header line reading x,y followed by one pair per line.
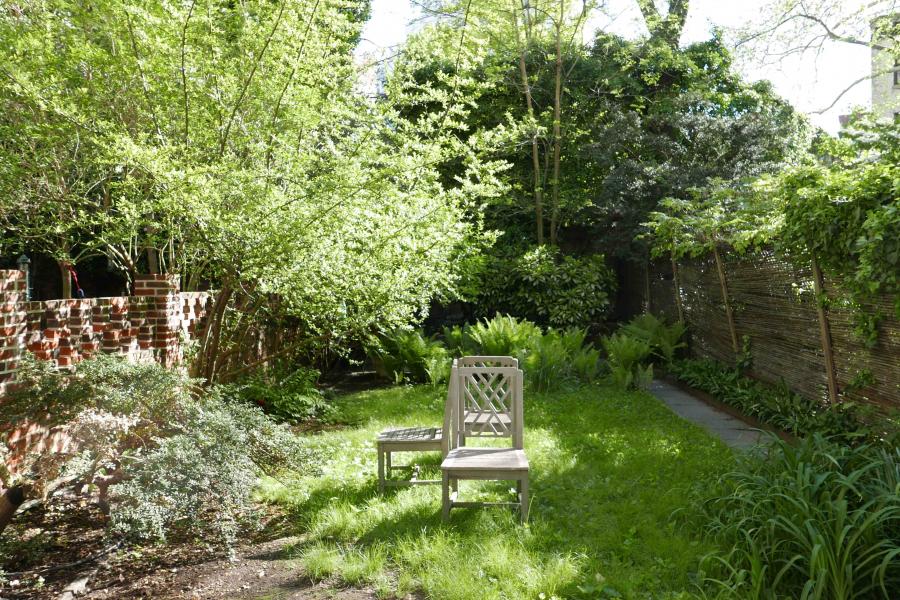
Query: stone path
x,y
732,431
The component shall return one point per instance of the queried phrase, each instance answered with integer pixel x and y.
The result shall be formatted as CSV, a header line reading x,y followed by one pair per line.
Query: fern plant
x,y
626,356
409,355
664,340
503,336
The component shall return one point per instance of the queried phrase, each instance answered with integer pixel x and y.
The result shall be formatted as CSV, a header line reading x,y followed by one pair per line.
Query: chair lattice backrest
x,y
487,402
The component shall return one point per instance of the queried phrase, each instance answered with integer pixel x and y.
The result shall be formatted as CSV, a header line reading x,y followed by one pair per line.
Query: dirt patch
x,y
61,546
259,572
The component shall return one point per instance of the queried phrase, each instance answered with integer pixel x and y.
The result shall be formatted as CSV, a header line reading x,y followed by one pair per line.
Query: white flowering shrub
x,y
159,452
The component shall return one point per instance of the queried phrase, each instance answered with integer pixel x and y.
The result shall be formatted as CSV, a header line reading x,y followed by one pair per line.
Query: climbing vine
x,y
840,206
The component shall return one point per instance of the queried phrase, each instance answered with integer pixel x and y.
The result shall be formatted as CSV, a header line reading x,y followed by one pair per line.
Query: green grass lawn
x,y
608,469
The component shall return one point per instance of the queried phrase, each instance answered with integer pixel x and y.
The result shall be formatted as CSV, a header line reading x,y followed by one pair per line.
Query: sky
x,y
810,84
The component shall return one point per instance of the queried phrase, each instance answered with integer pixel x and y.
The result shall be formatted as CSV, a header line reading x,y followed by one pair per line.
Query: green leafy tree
x,y
222,153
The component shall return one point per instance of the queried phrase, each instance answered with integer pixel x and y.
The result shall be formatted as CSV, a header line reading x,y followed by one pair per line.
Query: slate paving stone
x,y
734,432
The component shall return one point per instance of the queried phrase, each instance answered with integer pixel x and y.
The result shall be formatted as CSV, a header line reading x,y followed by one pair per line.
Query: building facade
x,y
885,77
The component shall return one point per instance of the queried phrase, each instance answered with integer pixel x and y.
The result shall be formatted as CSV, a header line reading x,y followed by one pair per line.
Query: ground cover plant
x,y
818,519
608,469
155,451
777,405
286,392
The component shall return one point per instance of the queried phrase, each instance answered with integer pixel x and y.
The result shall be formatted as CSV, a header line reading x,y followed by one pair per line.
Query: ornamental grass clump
x,y
819,520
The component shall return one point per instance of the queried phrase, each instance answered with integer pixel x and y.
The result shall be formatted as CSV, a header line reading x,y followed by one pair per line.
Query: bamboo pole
x,y
728,312
676,284
825,332
647,307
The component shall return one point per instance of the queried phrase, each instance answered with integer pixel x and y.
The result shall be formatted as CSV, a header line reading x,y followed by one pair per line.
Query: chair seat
x,y
411,434
485,459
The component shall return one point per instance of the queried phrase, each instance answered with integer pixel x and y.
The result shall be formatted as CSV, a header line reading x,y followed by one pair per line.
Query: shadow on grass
x,y
608,470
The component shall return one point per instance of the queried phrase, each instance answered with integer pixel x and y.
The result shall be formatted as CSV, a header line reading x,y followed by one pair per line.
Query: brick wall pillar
x,y
163,315
12,323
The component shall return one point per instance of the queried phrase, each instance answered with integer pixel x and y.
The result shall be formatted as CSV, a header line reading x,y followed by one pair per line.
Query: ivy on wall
x,y
839,207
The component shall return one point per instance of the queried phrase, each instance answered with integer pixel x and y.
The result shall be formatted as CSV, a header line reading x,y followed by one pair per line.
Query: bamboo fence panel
x,y
774,305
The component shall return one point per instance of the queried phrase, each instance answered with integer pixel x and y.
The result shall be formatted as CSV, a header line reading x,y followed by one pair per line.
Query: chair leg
x,y
523,499
388,456
445,497
380,469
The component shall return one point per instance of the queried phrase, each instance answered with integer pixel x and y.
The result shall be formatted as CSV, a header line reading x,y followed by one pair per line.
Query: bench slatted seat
x,y
432,439
410,434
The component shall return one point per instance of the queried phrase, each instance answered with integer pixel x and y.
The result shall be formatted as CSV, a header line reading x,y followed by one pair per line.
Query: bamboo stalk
x,y
825,333
676,284
647,303
728,312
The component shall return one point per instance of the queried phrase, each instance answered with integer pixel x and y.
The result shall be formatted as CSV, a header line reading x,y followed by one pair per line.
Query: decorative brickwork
x,y
151,325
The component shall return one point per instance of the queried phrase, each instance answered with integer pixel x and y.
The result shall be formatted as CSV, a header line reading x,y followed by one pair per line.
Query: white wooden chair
x,y
427,439
497,393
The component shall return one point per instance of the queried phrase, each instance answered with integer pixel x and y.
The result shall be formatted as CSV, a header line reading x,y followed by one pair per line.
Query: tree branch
x,y
183,75
246,85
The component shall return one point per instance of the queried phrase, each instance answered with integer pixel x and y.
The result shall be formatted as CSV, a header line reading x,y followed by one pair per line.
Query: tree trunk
x,y
557,116
152,261
66,279
668,28
10,502
535,155
207,354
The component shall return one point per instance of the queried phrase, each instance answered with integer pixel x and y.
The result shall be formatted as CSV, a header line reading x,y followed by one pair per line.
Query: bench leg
x,y
389,467
380,470
445,497
454,485
523,499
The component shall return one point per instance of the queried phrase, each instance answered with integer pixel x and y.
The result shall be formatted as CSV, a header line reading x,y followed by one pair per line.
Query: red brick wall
x,y
151,325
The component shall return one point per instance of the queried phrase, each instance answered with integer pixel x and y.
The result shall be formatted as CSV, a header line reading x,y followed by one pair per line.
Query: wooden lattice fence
x,y
774,305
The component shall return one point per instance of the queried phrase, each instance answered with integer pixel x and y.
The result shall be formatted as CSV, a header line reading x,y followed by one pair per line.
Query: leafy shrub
x,y
158,452
547,287
664,340
815,520
457,340
288,394
776,405
626,361
403,355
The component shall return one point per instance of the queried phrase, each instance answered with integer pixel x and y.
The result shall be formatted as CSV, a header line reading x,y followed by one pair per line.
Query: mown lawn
x,y
608,469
